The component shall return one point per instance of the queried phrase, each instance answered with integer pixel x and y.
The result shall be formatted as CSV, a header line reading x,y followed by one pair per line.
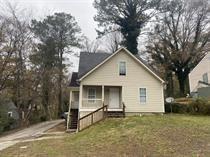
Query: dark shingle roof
x,y
90,60
74,78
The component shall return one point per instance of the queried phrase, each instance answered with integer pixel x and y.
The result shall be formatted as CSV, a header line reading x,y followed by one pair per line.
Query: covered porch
x,y
94,97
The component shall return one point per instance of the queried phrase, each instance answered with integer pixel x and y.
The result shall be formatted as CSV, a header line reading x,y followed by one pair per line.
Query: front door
x,y
114,97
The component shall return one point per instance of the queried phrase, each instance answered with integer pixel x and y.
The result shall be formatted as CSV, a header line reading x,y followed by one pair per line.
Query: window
x,y
122,68
91,95
205,78
143,97
9,114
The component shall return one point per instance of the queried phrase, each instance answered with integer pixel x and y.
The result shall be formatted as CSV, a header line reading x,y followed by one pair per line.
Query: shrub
x,y
199,106
176,108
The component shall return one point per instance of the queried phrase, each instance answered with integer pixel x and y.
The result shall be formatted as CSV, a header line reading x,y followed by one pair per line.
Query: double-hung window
x,y
143,95
91,95
122,68
205,78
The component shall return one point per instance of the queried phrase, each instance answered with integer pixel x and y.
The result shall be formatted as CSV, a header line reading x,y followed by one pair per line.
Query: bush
x,y
176,108
199,106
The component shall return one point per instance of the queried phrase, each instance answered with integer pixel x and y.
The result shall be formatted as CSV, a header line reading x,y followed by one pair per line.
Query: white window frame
x,y
139,95
203,77
92,100
10,114
125,68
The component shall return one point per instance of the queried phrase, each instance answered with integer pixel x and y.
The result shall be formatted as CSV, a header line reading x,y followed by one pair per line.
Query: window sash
x,y
122,68
91,95
143,95
205,78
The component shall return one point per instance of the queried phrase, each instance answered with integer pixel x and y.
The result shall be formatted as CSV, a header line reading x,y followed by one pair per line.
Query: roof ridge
x,y
96,52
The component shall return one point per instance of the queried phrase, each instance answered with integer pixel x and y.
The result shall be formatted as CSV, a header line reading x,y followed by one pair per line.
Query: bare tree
x,y
113,41
180,37
90,46
17,39
6,57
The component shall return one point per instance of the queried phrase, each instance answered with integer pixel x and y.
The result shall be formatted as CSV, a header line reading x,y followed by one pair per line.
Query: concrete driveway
x,y
32,132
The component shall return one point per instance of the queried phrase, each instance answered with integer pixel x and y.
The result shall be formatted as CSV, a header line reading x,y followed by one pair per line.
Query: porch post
x,y
70,98
102,94
103,99
80,96
69,112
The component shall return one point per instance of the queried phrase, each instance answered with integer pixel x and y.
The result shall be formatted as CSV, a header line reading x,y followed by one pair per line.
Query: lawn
x,y
155,135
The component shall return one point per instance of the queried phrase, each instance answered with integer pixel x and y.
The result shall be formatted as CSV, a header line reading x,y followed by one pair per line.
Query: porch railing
x,y
92,118
92,103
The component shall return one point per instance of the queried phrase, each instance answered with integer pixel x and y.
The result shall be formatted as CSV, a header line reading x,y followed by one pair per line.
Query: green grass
x,y
155,135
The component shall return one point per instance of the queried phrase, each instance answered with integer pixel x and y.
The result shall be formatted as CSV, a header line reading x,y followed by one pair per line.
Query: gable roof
x,y
89,62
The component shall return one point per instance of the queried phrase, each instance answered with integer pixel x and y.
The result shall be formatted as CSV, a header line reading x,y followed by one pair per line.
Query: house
x,y
9,109
120,81
199,78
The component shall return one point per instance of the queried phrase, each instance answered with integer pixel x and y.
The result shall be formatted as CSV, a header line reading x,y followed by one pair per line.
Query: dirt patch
x,y
58,128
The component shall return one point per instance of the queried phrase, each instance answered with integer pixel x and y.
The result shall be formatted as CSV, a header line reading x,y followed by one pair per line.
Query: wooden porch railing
x,y
92,118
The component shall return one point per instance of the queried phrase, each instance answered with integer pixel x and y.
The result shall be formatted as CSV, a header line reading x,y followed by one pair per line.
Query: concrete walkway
x,y
30,133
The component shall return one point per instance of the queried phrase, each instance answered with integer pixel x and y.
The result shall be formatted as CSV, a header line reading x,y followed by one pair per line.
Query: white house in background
x,y
200,76
120,81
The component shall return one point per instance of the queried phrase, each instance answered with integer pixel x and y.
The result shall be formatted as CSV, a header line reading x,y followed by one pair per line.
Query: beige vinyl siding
x,y
197,73
136,77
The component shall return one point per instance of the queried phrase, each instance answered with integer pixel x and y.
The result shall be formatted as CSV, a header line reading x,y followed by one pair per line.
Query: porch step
x,y
115,114
74,118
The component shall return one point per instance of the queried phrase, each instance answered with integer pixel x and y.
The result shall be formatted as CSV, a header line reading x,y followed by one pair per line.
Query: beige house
x,y
120,81
199,77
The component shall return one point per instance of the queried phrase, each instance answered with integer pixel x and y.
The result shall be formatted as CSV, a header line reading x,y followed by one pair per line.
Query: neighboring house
x,y
12,112
117,80
199,78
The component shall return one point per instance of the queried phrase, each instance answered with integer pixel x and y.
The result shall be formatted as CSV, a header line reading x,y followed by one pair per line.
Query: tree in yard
x,y
113,41
180,37
62,30
44,63
14,52
7,67
129,15
90,46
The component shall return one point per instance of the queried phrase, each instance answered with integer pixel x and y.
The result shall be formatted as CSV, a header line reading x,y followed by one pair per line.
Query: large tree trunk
x,y
60,94
46,95
182,77
170,85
